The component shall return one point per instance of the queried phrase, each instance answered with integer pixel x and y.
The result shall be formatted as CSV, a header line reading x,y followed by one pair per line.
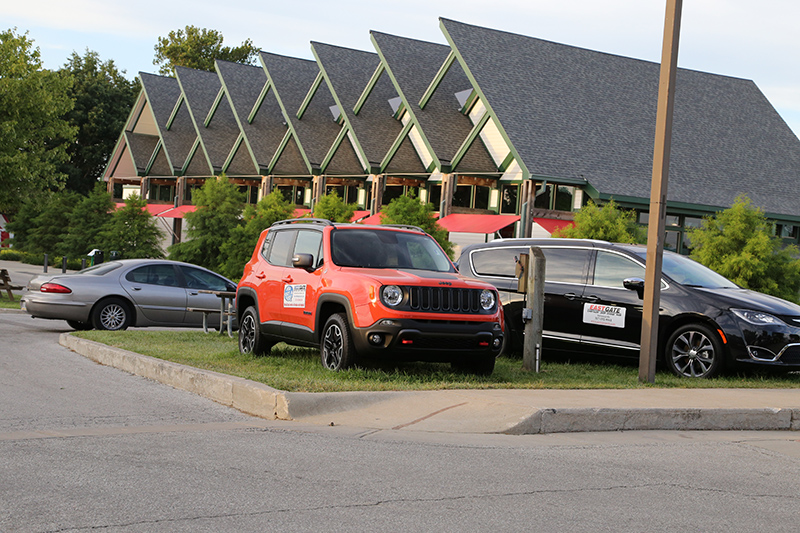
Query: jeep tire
x,y
251,341
336,348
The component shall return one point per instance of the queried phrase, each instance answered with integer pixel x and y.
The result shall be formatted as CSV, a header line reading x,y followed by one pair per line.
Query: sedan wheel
x,y
694,351
336,349
112,314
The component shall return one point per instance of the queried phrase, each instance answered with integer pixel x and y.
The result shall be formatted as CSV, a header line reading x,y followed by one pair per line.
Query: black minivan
x,y
594,298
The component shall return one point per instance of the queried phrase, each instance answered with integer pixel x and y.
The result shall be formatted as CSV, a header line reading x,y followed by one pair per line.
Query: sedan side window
x,y
611,269
200,279
154,275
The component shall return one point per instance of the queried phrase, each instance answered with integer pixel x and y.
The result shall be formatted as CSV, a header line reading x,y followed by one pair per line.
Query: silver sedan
x,y
129,292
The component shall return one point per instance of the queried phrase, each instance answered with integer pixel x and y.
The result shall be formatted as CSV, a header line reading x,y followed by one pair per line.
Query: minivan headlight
x,y
392,295
487,299
756,317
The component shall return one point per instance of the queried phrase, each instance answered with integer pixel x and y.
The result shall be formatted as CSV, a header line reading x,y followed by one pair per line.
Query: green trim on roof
x,y
335,146
232,153
412,117
153,156
281,147
259,102
448,62
214,106
465,146
310,96
395,146
175,110
373,81
239,122
473,97
189,158
136,109
506,162
525,172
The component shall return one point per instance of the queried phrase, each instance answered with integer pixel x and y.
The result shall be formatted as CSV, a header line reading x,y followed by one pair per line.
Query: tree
x,y
86,221
34,133
238,249
132,232
607,223
332,207
219,210
738,243
198,48
103,98
21,224
408,210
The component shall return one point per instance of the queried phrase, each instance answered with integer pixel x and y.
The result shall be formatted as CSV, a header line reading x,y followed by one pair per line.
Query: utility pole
x,y
658,192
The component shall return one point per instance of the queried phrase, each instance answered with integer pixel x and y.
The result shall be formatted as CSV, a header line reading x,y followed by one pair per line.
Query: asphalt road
x,y
87,447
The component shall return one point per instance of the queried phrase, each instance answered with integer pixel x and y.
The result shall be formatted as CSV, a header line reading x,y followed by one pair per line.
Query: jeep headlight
x,y
392,295
487,299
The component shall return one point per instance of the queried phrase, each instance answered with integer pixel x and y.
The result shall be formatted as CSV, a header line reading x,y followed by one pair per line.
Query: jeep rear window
x,y
387,249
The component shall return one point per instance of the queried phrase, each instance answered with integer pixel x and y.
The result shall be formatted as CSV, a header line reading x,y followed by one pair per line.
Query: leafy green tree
x,y
86,221
238,249
607,223
738,243
103,99
332,207
132,231
409,210
34,133
21,224
50,226
219,210
198,48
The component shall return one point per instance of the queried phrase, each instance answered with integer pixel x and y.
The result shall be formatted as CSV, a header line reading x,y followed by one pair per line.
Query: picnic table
x,y
6,285
226,311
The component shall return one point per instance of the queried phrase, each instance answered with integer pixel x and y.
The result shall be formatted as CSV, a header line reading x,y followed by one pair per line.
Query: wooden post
x,y
533,315
658,193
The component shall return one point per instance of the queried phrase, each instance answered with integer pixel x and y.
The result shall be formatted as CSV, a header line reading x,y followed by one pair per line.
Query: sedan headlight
x,y
488,299
757,317
392,295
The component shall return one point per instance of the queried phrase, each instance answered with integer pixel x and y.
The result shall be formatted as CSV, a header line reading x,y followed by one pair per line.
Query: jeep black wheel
x,y
336,346
251,340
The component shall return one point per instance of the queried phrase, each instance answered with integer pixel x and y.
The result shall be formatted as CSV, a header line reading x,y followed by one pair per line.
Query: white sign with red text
x,y
604,315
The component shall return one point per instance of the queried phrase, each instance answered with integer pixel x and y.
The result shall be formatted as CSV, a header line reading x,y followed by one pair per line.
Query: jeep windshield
x,y
376,248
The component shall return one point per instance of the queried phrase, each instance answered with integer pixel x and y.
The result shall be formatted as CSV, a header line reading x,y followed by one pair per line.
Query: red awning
x,y
552,224
153,209
358,215
372,220
466,223
301,212
177,212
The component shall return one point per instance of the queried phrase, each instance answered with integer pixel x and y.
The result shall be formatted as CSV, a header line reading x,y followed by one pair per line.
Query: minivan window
x,y
565,265
611,269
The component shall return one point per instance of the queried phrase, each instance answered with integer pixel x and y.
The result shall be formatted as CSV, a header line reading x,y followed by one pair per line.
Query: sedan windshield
x,y
370,248
688,272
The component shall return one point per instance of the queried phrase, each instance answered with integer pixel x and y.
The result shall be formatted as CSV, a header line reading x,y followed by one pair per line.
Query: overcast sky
x,y
741,38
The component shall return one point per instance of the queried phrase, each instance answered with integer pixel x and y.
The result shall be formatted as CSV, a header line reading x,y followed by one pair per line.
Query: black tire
x,y
336,344
694,351
512,338
480,366
79,326
251,341
112,314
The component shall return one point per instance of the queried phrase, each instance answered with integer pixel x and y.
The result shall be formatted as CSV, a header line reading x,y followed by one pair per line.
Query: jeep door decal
x,y
294,296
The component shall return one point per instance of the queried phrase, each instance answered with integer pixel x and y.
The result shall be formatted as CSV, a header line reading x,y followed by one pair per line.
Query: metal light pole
x,y
658,192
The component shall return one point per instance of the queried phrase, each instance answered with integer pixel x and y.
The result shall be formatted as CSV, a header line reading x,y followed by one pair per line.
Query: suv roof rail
x,y
404,226
323,221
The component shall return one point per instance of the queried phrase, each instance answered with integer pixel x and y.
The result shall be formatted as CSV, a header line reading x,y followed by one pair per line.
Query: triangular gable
x,y
121,164
256,109
290,161
404,160
197,164
141,149
160,166
344,160
175,126
241,164
349,73
212,116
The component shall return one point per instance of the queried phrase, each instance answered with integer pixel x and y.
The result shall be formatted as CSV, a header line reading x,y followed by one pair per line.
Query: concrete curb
x,y
640,419
260,400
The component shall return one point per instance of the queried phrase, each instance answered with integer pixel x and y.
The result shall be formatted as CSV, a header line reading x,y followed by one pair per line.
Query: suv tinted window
x,y
566,265
309,242
611,269
280,254
387,249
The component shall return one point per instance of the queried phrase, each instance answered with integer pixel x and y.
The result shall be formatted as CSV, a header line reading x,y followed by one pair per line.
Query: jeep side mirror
x,y
303,261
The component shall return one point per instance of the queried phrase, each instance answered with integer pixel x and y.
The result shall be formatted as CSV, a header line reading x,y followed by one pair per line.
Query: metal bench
x,y
6,285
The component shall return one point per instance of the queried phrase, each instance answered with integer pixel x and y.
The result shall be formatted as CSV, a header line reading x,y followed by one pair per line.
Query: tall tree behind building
x,y
198,48
103,99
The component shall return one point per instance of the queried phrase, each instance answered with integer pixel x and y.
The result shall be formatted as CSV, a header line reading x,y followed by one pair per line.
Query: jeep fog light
x,y
497,342
392,295
487,299
376,339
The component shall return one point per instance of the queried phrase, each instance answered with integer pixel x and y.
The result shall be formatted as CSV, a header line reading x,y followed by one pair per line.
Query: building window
x,y
251,192
435,195
292,193
508,199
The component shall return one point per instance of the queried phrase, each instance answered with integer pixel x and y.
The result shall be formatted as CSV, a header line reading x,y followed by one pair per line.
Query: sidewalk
x,y
475,411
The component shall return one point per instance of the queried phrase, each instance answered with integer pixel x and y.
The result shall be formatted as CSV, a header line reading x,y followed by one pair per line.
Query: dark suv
x,y
365,291
593,303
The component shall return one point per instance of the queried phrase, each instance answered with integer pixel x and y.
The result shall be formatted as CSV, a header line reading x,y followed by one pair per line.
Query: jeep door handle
x,y
288,279
261,275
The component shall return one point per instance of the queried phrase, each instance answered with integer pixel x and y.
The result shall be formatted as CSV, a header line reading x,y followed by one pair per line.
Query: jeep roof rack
x,y
404,226
322,221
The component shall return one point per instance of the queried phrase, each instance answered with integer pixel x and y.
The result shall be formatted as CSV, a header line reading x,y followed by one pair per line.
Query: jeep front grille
x,y
444,299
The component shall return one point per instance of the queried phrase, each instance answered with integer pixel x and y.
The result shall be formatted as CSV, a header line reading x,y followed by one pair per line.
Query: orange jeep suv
x,y
361,291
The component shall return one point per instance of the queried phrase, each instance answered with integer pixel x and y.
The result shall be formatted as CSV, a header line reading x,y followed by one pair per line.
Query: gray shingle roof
x,y
348,72
414,64
162,94
200,88
573,113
